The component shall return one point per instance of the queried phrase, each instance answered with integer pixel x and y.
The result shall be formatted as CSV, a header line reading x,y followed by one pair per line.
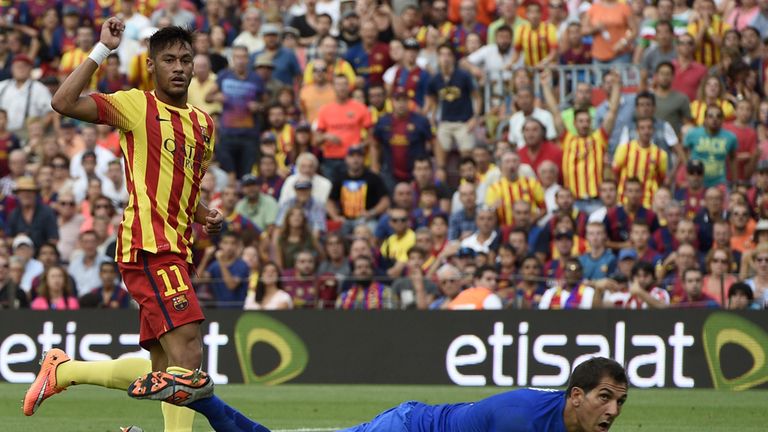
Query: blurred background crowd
x,y
404,154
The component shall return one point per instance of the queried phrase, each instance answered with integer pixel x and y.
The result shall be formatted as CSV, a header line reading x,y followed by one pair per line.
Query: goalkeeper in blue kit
x,y
596,392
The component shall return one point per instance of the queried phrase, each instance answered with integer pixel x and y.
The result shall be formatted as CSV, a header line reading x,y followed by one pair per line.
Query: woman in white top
x,y
759,283
268,294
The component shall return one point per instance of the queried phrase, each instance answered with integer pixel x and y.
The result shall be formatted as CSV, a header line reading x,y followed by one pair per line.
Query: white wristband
x,y
99,53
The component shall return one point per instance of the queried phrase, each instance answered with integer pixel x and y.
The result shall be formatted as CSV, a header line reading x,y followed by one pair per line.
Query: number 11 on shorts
x,y
169,289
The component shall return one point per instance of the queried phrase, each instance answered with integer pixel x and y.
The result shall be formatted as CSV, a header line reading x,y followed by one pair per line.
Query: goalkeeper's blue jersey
x,y
524,410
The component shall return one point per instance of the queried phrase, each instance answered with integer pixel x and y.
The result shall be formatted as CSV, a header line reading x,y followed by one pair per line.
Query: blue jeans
x,y
396,419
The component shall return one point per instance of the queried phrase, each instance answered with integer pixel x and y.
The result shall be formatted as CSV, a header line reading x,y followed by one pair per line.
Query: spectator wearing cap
x,y
240,91
572,292
692,196
24,98
307,166
341,125
173,11
264,69
203,82
349,30
408,75
562,249
401,137
358,195
453,105
24,251
259,208
317,94
32,217
286,66
313,210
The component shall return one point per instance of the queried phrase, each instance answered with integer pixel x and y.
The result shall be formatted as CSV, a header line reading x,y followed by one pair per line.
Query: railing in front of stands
x,y
498,89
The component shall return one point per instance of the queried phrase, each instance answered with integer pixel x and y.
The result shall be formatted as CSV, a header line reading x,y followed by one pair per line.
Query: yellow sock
x,y
114,374
176,418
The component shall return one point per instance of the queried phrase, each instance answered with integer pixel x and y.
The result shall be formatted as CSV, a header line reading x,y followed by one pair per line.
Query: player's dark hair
x,y
588,375
168,37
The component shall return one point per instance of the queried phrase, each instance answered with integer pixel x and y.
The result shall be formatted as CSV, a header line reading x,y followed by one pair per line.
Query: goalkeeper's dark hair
x,y
168,37
588,375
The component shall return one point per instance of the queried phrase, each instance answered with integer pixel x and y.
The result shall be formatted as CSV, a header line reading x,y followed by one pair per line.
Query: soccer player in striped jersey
x,y
584,152
642,159
167,145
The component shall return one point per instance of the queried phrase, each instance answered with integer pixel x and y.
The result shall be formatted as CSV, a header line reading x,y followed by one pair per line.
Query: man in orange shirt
x,y
314,96
341,125
485,11
481,296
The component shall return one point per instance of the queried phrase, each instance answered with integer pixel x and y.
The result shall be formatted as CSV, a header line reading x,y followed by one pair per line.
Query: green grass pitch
x,y
316,407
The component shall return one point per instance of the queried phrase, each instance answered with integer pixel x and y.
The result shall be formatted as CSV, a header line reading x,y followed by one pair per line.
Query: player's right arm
x,y
67,100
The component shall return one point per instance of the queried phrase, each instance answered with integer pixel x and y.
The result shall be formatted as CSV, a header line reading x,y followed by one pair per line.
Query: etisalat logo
x,y
254,328
721,329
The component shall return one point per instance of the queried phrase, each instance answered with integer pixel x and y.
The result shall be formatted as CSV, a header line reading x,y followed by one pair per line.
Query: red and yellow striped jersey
x,y
138,74
535,44
445,32
341,67
167,151
583,163
708,53
504,193
73,58
647,164
699,110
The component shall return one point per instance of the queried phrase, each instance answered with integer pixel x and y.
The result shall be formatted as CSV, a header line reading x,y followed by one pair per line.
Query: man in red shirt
x,y
341,125
688,72
537,149
746,135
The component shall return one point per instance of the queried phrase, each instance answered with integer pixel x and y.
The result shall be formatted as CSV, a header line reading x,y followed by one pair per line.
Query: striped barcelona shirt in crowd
x,y
167,151
707,53
535,44
649,165
583,162
504,193
699,111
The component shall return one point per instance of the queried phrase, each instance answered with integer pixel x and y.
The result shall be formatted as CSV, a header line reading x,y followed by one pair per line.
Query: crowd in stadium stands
x,y
411,154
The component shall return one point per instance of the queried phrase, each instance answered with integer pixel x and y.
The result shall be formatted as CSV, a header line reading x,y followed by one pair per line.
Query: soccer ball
x,y
131,429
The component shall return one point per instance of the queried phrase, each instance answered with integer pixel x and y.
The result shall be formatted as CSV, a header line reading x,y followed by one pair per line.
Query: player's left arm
x,y
67,100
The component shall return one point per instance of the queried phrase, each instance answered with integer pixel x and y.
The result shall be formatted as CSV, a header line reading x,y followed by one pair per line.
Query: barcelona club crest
x,y
180,302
